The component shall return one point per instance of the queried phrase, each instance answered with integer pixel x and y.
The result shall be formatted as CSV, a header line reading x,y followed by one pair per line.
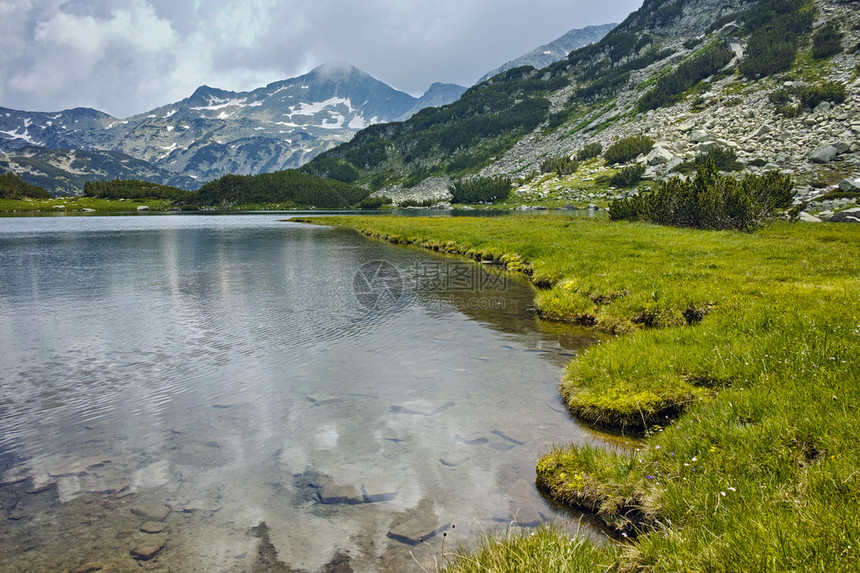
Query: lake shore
x,y
736,357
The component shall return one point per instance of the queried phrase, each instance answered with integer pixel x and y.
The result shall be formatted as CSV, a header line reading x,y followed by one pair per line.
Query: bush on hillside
x,y
628,177
827,41
589,151
813,94
481,190
134,189
628,148
709,201
775,28
561,165
289,187
13,187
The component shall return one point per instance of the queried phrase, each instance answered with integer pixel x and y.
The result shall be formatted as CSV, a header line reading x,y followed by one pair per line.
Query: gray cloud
x,y
129,56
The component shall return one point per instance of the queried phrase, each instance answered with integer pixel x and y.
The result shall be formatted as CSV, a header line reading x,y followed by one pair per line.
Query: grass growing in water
x,y
751,338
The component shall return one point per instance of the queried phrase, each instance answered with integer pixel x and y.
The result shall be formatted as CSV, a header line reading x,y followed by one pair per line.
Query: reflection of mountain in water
x,y
496,298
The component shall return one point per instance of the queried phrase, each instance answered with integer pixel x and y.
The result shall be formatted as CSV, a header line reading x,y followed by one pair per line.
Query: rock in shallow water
x,y
147,550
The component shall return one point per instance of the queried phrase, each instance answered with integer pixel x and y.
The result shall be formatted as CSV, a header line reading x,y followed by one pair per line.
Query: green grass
x,y
521,551
79,204
739,360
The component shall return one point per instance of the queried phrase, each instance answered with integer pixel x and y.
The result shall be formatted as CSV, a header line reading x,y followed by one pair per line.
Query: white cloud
x,y
129,56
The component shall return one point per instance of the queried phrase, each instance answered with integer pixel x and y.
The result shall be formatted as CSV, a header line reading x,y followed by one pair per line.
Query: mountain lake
x,y
192,392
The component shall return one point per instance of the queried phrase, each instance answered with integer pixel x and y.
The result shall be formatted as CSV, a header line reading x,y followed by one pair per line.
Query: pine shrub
x,y
561,165
481,190
629,176
589,151
709,201
628,148
827,41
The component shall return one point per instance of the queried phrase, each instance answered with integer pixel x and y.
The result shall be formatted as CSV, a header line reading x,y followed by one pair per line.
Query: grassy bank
x,y
79,203
738,358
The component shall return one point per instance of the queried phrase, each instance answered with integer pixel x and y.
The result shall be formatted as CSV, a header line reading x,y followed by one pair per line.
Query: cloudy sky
x,y
129,56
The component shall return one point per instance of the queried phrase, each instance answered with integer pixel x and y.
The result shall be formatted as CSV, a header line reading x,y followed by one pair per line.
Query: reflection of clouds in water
x,y
216,367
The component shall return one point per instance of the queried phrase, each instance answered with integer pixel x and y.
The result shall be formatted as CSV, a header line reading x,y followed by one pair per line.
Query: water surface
x,y
211,374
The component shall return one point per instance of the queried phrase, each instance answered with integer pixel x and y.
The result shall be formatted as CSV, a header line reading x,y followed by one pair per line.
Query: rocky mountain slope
x,y
212,132
747,79
556,50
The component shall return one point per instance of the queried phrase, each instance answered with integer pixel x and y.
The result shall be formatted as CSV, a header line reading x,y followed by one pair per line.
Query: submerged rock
x,y
422,407
154,512
416,525
146,551
332,494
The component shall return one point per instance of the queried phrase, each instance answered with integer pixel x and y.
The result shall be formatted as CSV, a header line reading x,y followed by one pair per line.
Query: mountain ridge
x,y
547,54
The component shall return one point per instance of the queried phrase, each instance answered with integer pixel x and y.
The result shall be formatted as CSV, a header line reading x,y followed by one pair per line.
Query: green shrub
x,y
481,190
775,28
709,201
724,159
814,94
628,148
134,189
332,168
629,176
13,187
285,187
561,165
827,41
374,202
589,151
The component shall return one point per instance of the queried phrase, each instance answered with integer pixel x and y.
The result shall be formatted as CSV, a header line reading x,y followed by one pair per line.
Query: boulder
x,y
846,216
824,154
841,147
849,185
142,208
764,129
807,218
822,108
659,156
699,135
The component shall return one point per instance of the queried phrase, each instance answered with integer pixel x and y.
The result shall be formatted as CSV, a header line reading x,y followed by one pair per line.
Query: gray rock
x,y
824,154
849,185
807,218
846,216
764,129
841,147
699,135
659,156
142,208
822,108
